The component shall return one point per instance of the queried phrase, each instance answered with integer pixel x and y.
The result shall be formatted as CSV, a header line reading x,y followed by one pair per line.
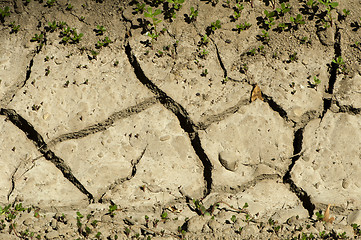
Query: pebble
x,y
228,160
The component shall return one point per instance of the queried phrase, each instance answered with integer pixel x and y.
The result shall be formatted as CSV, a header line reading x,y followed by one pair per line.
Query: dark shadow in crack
x,y
39,142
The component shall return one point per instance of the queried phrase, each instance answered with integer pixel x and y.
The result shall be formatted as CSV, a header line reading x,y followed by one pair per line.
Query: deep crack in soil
x,y
184,120
287,179
40,144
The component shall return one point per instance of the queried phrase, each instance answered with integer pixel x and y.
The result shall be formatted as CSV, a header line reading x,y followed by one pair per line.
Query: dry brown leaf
x,y
256,94
326,217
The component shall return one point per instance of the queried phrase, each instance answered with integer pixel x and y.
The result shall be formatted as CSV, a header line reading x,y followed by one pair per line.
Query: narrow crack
x,y
287,179
39,142
221,116
333,72
129,177
184,120
221,63
105,124
275,107
348,109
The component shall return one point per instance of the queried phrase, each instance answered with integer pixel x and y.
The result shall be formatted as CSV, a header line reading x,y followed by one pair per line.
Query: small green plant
x,y
215,25
164,215
37,38
140,8
4,13
193,15
112,209
233,218
293,57
315,83
105,42
346,12
82,18
50,3
204,40
203,54
14,28
52,26
319,216
356,229
312,4
153,33
243,26
100,30
116,63
94,54
237,11
47,71
69,7
329,5
204,74
176,6
298,20
269,20
283,9
264,37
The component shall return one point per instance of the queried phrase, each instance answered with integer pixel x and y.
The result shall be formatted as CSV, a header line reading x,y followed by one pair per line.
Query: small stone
x,y
164,138
228,160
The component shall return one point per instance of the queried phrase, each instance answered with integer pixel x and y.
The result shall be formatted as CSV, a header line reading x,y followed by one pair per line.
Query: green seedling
x,y
243,26
204,40
14,28
298,20
176,6
356,229
105,42
4,13
233,218
140,8
204,73
282,27
112,209
153,33
283,9
164,215
269,19
47,71
264,37
237,11
252,52
193,15
329,7
339,61
346,12
69,7
203,54
320,216
82,18
37,38
98,235
52,26
50,3
127,231
293,57
61,24
100,30
215,25
312,4
76,37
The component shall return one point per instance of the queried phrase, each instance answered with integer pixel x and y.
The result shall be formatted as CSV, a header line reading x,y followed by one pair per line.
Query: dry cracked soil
x,y
180,119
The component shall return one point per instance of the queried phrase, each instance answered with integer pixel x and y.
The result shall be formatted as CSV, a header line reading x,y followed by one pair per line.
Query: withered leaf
x,y
256,94
326,217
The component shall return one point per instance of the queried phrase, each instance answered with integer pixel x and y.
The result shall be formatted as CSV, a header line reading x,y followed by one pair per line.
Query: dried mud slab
x,y
138,161
328,169
256,138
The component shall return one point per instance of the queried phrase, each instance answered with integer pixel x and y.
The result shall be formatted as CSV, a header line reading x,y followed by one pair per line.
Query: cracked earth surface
x,y
140,125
